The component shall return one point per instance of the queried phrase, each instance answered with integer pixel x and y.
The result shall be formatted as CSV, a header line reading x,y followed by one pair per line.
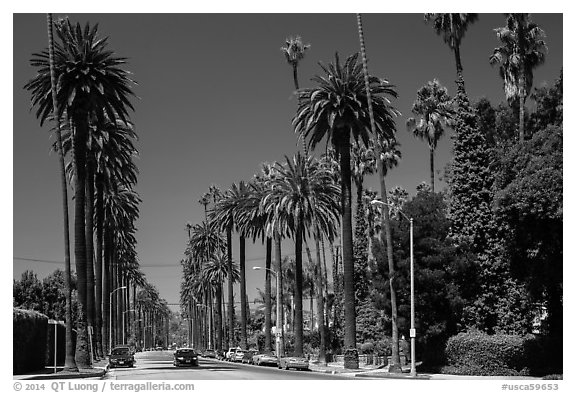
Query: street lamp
x,y
110,319
279,310
412,327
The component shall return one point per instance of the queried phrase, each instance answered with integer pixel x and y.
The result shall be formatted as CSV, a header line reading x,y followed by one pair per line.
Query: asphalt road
x,y
157,365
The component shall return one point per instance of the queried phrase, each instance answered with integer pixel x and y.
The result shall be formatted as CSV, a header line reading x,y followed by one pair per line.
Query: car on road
x,y
297,362
231,354
121,357
265,359
209,353
248,356
185,357
238,355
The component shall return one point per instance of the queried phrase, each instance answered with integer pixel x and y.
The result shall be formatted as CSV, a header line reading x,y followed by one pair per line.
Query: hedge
x,y
29,337
477,353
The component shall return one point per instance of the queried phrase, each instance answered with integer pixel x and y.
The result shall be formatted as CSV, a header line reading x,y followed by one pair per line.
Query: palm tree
x,y
452,28
523,50
337,109
384,157
224,215
91,83
69,362
301,194
215,271
294,52
434,106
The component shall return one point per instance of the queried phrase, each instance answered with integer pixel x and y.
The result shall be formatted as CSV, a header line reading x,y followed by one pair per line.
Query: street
x,y
157,365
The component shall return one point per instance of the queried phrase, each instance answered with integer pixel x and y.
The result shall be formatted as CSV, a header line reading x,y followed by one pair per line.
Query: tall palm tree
x,y
69,362
301,194
336,109
224,215
384,150
91,83
523,49
216,271
452,28
434,106
294,52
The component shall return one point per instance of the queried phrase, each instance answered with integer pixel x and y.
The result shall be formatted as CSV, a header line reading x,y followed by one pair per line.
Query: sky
x,y
216,100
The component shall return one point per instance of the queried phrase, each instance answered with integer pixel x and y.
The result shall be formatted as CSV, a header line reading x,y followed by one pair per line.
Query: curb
x,y
93,373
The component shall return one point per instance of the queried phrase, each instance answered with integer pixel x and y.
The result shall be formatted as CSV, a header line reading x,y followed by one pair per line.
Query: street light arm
x,y
378,202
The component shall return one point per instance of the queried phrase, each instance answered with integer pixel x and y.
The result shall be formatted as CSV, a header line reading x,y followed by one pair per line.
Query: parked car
x,y
231,354
121,357
248,356
238,355
221,355
185,357
265,359
297,362
209,353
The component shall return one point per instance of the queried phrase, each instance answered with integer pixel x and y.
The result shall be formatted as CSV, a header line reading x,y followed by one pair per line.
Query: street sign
x,y
412,333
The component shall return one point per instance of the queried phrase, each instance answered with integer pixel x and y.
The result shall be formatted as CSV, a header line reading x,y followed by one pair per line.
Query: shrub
x,y
29,340
383,347
477,353
367,348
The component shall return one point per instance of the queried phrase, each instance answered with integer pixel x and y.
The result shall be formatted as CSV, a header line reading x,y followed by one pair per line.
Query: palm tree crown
x,y
90,78
338,105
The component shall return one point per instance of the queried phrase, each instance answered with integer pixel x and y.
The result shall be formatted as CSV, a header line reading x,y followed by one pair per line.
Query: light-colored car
x,y
264,359
231,354
296,362
238,355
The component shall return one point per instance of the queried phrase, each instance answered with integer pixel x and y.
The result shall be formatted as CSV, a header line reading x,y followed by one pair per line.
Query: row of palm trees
x,y
83,88
348,104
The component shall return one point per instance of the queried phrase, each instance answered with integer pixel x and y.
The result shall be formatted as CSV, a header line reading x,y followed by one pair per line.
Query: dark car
x,y
185,357
121,357
209,353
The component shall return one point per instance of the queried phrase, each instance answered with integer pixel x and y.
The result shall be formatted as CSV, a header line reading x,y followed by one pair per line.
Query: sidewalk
x,y
99,370
370,371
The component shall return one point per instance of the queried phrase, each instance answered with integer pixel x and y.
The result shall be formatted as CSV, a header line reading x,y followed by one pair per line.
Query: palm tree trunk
x,y
99,205
219,316
395,361
395,364
459,73
278,257
82,344
320,304
432,168
268,297
347,243
69,362
298,315
522,81
90,278
243,316
230,288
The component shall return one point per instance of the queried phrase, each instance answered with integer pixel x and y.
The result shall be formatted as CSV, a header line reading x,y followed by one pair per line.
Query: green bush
x,y
383,347
477,353
29,334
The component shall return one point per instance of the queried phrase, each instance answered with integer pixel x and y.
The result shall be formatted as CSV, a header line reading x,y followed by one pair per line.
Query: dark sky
x,y
216,100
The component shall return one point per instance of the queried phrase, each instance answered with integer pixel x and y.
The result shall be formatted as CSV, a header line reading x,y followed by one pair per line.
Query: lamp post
x,y
110,319
412,327
279,310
